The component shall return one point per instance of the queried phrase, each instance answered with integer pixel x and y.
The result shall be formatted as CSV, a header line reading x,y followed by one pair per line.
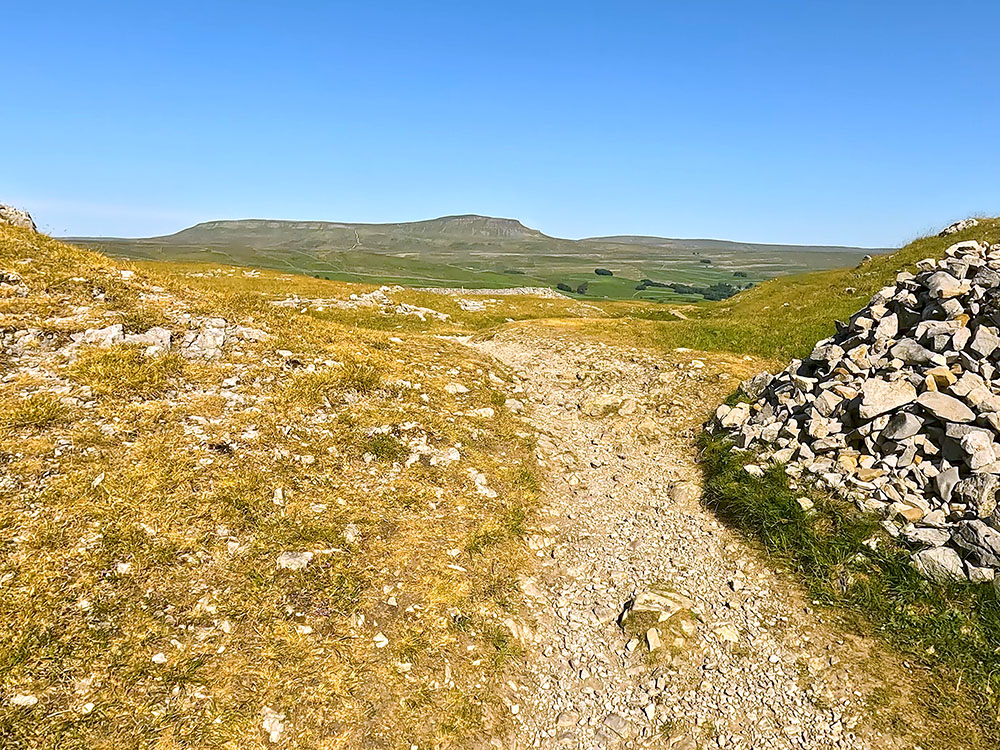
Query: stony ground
x,y
719,650
231,523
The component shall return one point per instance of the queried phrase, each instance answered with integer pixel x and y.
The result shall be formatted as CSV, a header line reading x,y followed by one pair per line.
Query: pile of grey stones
x,y
899,413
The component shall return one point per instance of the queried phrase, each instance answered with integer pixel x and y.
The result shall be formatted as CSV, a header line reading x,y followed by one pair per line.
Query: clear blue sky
x,y
827,122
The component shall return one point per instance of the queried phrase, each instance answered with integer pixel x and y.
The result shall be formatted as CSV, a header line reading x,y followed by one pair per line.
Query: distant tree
x,y
582,289
715,292
603,272
740,274
706,261
564,287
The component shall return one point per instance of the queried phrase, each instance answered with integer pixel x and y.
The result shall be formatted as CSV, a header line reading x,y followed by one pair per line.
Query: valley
x,y
480,252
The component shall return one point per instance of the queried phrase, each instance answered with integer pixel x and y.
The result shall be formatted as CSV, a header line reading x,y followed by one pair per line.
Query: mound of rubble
x,y
899,412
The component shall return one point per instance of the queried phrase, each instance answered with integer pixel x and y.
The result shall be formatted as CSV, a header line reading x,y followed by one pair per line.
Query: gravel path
x,y
738,658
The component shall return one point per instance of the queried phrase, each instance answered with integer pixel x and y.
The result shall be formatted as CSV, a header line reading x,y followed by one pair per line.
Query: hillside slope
x,y
249,509
225,520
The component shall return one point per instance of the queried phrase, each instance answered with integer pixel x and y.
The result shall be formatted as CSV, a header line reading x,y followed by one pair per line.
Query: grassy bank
x,y
950,633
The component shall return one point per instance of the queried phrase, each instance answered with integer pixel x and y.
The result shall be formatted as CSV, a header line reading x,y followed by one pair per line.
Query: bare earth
x,y
744,661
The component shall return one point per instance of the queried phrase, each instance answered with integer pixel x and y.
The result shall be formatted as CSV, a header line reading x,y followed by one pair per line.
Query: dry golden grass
x,y
37,410
125,371
147,499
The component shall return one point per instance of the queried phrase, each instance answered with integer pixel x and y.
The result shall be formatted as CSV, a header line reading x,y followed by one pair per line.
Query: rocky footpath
x,y
899,413
650,624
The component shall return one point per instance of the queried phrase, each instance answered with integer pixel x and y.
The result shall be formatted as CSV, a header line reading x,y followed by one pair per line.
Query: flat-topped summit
x,y
477,226
279,231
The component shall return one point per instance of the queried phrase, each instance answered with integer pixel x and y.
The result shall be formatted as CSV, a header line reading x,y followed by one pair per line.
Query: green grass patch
x,y
386,448
953,632
508,525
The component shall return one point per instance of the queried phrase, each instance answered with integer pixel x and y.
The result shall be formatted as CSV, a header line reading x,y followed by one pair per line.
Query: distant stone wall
x,y
536,291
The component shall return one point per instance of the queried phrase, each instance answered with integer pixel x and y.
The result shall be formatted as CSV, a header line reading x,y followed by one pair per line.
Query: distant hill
x,y
271,233
480,252
726,245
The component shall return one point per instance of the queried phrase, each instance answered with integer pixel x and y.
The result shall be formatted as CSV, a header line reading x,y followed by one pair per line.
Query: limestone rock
x,y
16,217
294,560
959,226
945,408
879,396
982,542
940,564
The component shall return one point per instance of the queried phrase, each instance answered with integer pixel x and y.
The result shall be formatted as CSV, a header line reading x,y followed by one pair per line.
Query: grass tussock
x,y
38,410
330,384
952,632
125,371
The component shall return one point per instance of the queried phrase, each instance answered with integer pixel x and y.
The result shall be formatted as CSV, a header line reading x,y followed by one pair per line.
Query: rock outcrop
x,y
959,226
16,217
899,412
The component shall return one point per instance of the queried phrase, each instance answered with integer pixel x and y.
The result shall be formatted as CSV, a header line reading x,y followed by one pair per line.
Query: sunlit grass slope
x,y
148,500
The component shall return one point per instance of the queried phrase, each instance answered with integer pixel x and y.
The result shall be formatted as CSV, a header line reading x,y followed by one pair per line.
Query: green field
x,y
478,252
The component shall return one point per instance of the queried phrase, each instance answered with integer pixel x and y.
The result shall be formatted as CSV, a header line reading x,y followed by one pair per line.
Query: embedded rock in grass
x,y
940,564
273,723
108,336
16,217
959,226
294,560
156,340
206,343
